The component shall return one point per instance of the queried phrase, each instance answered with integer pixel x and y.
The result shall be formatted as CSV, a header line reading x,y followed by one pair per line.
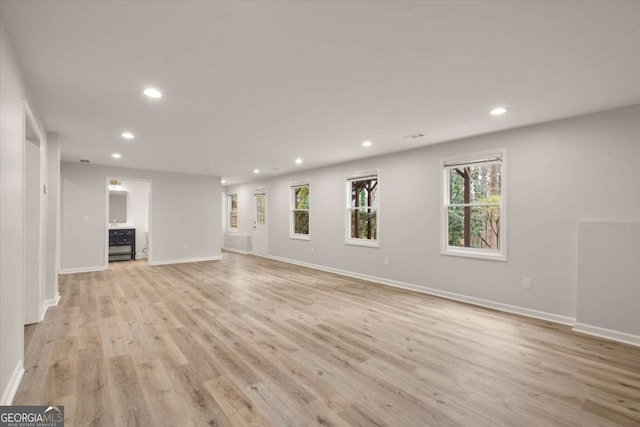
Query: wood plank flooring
x,y
248,341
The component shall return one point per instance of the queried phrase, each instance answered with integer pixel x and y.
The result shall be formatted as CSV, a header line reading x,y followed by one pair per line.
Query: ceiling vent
x,y
414,136
84,161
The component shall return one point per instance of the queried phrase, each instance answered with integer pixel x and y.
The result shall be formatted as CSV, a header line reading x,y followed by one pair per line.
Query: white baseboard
x,y
12,387
48,303
239,251
141,256
260,255
81,270
607,333
439,293
185,260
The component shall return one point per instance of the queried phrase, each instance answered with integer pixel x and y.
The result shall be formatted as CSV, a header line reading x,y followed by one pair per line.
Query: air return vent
x,y
413,136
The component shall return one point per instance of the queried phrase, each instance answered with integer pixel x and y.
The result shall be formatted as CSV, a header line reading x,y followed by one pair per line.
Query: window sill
x,y
300,236
465,253
362,242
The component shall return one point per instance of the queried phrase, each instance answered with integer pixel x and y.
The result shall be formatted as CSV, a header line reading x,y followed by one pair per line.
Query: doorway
x,y
33,294
260,231
128,225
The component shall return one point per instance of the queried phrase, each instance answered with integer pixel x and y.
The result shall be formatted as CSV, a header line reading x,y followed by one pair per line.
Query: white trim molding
x,y
227,220
293,209
607,333
185,260
542,315
355,176
48,303
295,236
265,256
12,387
498,156
82,269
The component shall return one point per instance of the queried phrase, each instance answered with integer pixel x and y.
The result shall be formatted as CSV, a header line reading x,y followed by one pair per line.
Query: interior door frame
x,y
254,205
38,303
106,216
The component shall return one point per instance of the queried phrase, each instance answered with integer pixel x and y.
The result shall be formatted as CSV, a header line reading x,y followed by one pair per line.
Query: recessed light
x,y
223,181
116,156
152,92
128,135
498,111
367,144
256,171
298,161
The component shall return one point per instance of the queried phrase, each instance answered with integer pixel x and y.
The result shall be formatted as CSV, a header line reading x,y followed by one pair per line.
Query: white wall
x,y
52,250
559,173
13,93
138,211
609,279
185,215
234,241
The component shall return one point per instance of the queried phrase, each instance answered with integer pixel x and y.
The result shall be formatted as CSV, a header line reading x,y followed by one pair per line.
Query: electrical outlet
x,y
86,218
184,246
526,282
386,260
313,250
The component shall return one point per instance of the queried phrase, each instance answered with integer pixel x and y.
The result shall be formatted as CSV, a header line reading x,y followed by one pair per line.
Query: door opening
x,y
128,226
33,292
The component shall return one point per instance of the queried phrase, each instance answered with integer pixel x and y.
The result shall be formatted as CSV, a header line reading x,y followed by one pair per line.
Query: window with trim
x,y
300,211
261,208
232,207
362,210
474,207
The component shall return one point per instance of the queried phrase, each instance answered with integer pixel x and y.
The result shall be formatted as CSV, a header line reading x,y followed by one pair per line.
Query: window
x,y
261,208
362,210
474,214
232,206
300,211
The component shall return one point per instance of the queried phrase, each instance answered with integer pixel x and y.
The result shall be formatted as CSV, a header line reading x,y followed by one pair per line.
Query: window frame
x,y
256,192
292,210
476,253
229,211
355,176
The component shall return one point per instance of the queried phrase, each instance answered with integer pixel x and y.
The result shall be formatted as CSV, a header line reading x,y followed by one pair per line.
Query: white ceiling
x,y
256,84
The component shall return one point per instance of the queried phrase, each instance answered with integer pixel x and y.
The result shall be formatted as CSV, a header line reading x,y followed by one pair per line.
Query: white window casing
x,y
296,211
232,212
491,241
372,198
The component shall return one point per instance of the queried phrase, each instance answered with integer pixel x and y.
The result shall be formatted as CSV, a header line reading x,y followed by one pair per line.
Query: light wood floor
x,y
249,341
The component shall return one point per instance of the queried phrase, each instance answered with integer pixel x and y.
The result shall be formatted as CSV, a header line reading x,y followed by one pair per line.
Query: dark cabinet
x,y
122,244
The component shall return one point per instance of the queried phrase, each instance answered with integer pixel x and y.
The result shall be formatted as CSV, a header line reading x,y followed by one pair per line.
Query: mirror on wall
x,y
117,207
